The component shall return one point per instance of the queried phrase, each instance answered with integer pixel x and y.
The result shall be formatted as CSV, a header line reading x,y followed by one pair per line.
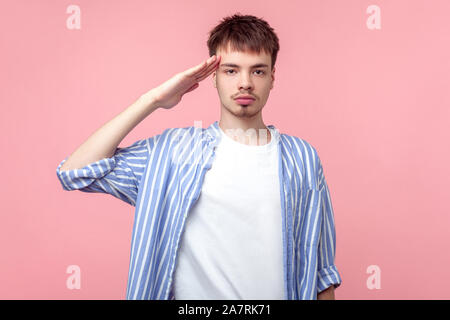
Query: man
x,y
233,211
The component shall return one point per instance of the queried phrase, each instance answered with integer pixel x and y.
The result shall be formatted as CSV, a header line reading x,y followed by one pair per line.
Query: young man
x,y
233,211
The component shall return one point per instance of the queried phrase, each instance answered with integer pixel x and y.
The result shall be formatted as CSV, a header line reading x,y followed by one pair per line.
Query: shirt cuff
x,y
327,277
83,177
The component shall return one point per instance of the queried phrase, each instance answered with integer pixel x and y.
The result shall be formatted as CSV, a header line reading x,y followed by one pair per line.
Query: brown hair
x,y
242,33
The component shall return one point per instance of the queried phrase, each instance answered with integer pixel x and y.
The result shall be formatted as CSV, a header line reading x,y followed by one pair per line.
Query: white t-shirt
x,y
231,246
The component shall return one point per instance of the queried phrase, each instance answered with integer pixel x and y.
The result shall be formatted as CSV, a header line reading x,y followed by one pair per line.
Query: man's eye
x,y
260,71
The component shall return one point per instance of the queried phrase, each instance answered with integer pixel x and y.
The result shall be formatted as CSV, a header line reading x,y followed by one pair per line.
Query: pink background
x,y
374,103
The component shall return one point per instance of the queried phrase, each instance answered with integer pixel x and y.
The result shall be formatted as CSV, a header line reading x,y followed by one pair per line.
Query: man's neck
x,y
246,131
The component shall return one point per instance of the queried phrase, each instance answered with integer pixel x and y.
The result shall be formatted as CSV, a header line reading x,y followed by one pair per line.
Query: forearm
x,y
103,143
327,294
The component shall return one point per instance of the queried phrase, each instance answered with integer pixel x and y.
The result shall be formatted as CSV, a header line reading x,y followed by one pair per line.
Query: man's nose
x,y
245,82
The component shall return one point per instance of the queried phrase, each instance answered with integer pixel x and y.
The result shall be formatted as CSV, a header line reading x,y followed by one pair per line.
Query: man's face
x,y
239,74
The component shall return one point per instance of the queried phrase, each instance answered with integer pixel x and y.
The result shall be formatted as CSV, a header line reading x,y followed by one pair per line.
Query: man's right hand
x,y
169,94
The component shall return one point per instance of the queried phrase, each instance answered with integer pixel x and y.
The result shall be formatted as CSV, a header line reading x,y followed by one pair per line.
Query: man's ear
x,y
273,77
214,79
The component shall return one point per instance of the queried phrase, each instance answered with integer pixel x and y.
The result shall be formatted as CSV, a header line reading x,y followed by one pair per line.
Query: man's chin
x,y
244,113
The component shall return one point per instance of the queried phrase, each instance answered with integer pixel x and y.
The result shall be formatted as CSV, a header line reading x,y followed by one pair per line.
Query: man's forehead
x,y
230,50
234,52
235,56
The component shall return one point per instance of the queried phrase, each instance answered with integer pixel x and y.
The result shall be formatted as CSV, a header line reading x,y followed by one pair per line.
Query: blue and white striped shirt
x,y
162,177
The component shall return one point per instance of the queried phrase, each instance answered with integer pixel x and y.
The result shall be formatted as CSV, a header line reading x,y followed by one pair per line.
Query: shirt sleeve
x,y
118,176
328,273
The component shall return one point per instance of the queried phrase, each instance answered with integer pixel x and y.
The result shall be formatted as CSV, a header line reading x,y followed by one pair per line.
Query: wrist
x,y
149,100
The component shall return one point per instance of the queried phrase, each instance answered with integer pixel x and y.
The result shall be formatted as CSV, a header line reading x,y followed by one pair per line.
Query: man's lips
x,y
244,100
245,96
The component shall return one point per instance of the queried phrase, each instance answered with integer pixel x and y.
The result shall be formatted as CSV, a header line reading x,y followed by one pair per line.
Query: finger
x,y
210,64
206,74
199,68
208,70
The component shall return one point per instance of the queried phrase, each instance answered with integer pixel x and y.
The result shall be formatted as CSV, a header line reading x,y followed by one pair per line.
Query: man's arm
x,y
328,276
103,143
327,294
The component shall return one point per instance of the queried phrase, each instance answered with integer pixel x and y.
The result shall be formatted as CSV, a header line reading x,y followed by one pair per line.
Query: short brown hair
x,y
242,33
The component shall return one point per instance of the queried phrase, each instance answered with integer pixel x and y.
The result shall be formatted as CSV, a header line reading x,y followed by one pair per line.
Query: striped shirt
x,y
162,177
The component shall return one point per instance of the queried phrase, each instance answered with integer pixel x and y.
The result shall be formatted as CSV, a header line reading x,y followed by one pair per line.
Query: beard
x,y
242,111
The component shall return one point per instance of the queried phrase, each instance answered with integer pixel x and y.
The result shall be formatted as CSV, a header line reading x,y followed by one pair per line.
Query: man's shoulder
x,y
173,132
173,135
188,131
299,145
305,155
